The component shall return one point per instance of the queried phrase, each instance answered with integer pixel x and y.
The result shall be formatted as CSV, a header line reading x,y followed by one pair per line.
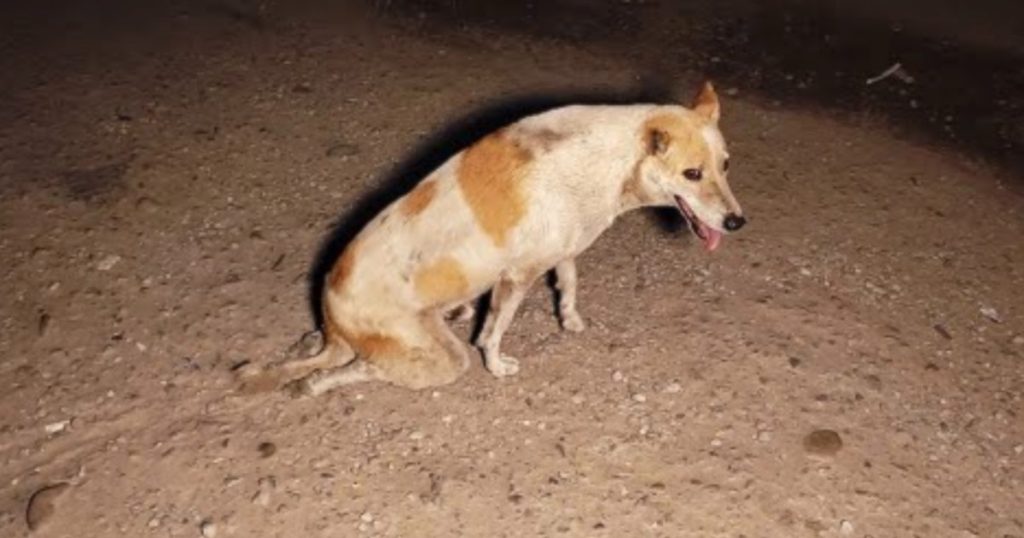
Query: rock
x,y
366,517
208,529
639,398
991,313
146,204
108,262
266,486
823,443
43,323
617,376
673,388
57,427
845,528
43,504
416,435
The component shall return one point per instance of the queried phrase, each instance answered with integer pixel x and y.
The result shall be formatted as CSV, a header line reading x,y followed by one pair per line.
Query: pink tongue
x,y
712,237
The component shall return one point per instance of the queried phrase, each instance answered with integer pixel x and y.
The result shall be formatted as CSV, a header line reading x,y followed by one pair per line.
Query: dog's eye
x,y
693,174
725,165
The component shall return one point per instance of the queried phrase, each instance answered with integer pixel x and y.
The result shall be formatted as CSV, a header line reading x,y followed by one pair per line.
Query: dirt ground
x,y
172,175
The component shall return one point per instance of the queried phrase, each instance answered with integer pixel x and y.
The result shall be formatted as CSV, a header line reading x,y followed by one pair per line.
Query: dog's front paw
x,y
572,322
502,365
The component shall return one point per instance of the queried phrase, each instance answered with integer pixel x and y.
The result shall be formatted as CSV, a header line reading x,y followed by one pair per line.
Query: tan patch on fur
x,y
706,102
490,176
369,345
680,140
441,282
343,267
416,201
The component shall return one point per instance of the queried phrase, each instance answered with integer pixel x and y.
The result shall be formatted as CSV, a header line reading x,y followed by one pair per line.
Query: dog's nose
x,y
734,222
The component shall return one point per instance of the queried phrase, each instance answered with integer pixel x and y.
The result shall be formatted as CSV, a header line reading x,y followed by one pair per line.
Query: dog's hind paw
x,y
502,365
463,312
307,345
301,388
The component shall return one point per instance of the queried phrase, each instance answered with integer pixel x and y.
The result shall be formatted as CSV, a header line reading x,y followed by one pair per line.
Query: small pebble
x,y
366,517
266,486
57,427
108,263
991,313
617,376
823,443
154,522
673,388
1018,340
416,435
208,529
43,503
845,528
639,398
578,399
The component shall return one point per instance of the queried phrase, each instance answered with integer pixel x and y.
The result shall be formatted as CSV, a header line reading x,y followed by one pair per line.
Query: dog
x,y
498,215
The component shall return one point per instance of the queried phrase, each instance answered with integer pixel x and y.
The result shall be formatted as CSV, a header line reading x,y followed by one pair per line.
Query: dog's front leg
x,y
505,299
565,275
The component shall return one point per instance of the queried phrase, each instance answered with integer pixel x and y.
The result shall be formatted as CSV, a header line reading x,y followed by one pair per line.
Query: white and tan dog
x,y
498,215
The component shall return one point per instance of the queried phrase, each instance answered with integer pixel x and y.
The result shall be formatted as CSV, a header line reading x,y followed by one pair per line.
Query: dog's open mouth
x,y
708,235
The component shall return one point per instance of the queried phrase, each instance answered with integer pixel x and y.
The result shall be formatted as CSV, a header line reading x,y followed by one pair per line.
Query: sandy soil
x,y
172,176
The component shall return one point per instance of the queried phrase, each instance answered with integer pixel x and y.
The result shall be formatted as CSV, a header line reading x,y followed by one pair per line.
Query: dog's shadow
x,y
442,145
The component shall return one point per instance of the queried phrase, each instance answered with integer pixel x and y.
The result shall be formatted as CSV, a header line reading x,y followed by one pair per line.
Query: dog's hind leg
x,y
336,352
426,355
439,359
565,273
322,381
257,379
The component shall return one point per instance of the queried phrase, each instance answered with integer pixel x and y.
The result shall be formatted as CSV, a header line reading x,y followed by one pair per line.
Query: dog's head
x,y
687,164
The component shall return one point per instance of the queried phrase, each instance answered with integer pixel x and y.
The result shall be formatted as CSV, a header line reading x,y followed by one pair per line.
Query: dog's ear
x,y
706,102
657,141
